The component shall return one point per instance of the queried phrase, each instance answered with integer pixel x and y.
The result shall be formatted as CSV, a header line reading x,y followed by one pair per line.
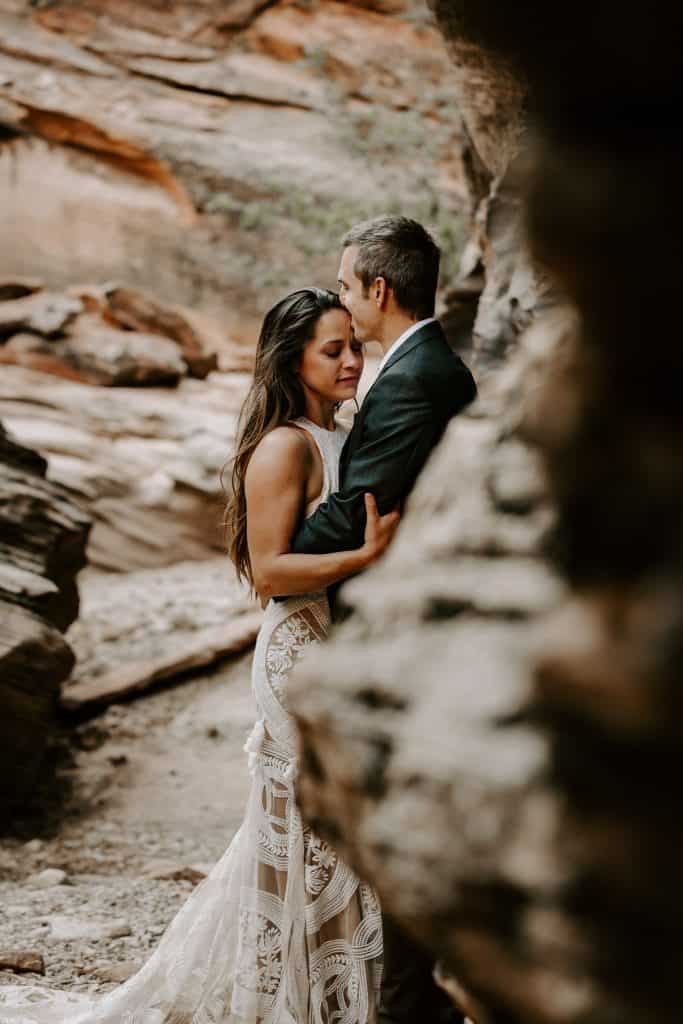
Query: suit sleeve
x,y
398,435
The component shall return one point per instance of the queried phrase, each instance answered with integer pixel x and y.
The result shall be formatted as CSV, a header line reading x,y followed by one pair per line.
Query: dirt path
x,y
156,788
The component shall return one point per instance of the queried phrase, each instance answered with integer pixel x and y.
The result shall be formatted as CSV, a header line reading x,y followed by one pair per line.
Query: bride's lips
x,y
348,380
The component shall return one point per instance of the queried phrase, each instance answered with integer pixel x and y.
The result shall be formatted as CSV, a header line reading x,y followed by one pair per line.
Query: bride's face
x,y
332,362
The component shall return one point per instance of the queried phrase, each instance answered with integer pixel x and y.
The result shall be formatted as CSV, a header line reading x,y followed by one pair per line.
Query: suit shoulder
x,y
433,358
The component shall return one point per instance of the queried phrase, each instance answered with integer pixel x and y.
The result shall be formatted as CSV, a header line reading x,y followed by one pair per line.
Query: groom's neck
x,y
393,326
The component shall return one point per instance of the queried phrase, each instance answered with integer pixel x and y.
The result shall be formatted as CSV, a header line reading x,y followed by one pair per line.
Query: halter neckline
x,y
317,426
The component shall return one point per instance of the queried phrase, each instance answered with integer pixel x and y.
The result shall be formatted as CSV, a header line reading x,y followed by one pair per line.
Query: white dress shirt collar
x,y
402,338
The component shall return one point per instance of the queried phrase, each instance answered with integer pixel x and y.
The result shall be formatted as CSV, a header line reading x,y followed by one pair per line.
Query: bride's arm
x,y
276,492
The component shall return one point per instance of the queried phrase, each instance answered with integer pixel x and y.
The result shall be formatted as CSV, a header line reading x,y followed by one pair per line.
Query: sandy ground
x,y
148,789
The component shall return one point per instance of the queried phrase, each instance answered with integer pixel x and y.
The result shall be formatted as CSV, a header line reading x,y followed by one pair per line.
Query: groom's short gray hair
x,y
402,252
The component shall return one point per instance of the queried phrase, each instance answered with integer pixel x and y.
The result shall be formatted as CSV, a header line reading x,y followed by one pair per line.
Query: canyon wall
x,y
213,154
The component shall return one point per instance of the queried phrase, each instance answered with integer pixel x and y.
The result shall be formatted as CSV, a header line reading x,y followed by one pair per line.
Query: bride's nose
x,y
352,359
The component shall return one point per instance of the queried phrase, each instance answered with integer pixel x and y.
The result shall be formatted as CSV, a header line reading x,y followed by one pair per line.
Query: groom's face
x,y
363,310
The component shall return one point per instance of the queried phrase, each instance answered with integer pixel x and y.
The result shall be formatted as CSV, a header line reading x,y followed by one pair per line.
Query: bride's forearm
x,y
288,574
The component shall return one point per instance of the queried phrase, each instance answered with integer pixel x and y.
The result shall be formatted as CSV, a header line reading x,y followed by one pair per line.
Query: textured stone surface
x,y
42,548
138,628
490,91
218,151
108,335
99,355
146,463
43,539
46,313
138,312
22,962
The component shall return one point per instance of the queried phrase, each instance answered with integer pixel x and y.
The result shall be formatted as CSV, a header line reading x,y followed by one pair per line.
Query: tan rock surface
x,y
490,91
146,463
46,313
95,354
139,628
138,312
220,152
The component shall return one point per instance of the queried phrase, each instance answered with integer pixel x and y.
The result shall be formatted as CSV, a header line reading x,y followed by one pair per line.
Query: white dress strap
x,y
329,443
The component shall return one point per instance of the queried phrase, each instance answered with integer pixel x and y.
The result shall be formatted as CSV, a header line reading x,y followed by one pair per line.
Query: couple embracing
x,y
282,931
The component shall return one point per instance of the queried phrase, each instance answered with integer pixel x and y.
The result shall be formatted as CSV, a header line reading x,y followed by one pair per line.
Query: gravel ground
x,y
147,791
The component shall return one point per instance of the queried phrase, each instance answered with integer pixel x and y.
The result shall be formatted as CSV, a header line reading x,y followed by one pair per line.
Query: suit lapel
x,y
429,331
432,330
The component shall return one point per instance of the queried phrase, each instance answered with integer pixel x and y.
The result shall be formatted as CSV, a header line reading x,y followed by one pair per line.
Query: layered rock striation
x,y
212,154
43,536
145,462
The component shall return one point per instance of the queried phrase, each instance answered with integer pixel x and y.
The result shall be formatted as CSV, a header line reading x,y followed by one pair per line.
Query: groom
x,y
387,281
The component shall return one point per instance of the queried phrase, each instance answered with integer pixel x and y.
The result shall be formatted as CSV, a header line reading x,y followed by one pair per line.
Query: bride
x,y
281,931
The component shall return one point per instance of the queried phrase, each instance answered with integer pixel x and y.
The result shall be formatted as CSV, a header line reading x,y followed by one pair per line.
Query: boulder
x,y
95,354
45,313
44,535
22,962
43,539
138,312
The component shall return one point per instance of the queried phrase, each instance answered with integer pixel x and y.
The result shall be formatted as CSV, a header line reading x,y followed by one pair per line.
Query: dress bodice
x,y
329,443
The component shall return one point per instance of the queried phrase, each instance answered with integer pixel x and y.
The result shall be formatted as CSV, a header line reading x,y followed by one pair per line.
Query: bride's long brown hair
x,y
274,398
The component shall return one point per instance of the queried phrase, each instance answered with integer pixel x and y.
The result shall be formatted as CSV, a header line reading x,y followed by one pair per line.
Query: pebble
x,y
34,846
22,962
47,878
171,871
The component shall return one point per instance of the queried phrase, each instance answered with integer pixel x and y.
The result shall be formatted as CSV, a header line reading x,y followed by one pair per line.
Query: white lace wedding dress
x,y
281,931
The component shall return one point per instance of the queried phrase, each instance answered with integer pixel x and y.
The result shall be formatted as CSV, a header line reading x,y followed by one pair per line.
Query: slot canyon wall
x,y
213,154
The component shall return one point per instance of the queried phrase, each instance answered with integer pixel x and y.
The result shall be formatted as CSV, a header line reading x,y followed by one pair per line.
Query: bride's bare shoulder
x,y
282,449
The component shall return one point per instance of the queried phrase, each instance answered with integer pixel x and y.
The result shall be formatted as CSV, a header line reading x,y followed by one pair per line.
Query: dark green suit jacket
x,y
405,412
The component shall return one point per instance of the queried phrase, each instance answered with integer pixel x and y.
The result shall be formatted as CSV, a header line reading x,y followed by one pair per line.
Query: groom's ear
x,y
381,292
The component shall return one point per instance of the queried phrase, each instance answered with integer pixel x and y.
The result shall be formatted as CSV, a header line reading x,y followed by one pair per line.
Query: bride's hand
x,y
379,530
